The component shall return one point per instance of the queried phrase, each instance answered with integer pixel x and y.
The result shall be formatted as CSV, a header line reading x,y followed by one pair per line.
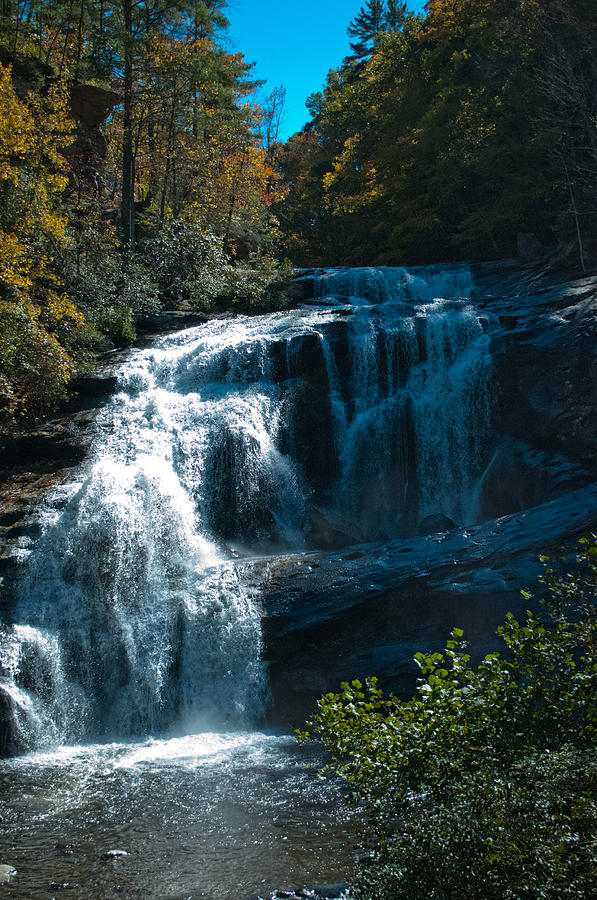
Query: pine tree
x,y
395,15
365,26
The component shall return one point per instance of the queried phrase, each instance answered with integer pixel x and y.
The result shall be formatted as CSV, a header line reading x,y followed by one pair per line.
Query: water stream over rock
x,y
366,415
131,617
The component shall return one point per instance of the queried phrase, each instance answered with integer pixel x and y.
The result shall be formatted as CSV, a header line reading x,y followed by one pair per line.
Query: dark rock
x,y
167,321
435,524
59,885
328,617
12,742
519,476
530,248
91,105
331,891
93,385
28,72
53,445
307,287
328,530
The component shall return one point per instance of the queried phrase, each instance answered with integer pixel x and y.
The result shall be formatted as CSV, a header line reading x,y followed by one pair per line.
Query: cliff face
x,y
335,616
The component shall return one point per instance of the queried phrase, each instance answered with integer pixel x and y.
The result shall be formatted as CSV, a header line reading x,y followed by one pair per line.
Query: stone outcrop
x,y
329,617
90,106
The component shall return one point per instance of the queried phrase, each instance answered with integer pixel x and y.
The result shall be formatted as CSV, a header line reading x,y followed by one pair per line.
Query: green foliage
x,y
97,231
261,286
117,323
484,785
445,135
188,261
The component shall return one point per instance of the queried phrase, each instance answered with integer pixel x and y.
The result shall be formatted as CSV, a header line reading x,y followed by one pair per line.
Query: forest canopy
x,y
136,172
444,135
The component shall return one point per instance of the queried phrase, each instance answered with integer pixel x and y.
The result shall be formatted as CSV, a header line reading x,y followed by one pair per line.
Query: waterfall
x,y
371,409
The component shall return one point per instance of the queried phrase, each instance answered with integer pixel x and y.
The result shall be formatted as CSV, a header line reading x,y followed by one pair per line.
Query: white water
x,y
132,616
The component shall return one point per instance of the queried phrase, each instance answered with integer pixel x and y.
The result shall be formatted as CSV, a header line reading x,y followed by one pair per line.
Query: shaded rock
x,y
170,320
327,530
28,72
530,248
435,524
93,385
12,742
519,476
328,617
545,363
91,105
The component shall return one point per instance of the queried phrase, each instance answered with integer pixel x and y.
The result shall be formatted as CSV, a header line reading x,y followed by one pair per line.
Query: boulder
x,y
435,524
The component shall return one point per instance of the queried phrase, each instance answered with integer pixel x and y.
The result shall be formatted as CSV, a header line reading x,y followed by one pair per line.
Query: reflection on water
x,y
213,816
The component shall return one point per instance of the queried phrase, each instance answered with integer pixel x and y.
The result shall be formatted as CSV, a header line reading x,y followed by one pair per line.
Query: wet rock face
x,y
545,365
329,617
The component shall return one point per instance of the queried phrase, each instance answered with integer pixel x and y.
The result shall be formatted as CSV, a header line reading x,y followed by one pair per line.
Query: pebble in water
x,y
7,873
114,854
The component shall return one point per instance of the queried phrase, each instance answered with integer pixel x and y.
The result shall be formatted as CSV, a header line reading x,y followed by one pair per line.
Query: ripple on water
x,y
218,816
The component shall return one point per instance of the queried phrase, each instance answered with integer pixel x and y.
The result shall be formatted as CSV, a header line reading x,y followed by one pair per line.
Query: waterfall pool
x,y
211,816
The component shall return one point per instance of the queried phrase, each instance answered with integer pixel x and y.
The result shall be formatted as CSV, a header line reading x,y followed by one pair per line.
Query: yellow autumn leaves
x,y
34,312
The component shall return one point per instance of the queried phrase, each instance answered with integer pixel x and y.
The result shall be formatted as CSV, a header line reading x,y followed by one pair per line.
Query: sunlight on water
x,y
132,616
134,626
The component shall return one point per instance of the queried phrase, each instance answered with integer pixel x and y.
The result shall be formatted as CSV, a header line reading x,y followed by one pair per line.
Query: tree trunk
x,y
581,254
79,40
128,181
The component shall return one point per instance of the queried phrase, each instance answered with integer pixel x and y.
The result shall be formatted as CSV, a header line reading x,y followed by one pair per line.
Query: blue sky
x,y
294,44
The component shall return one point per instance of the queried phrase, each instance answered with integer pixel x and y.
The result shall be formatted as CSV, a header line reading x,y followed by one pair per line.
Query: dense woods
x,y
445,135
134,175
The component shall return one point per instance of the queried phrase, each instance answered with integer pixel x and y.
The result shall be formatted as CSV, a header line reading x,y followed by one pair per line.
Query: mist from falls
x,y
353,419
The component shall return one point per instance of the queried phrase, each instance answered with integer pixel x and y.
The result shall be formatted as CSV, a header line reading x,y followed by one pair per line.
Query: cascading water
x,y
227,440
351,419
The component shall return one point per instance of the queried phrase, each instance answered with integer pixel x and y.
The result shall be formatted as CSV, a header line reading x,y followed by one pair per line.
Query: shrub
x,y
258,286
484,785
181,256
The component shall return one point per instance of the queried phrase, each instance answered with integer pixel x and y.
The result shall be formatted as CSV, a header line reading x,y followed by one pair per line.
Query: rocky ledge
x,y
329,617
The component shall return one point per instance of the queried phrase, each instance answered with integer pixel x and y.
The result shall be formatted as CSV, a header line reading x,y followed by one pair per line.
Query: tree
x,y
484,785
36,316
447,134
365,26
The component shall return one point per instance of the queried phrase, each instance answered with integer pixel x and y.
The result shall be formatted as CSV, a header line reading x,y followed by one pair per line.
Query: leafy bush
x,y
34,366
259,286
484,785
117,323
184,256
